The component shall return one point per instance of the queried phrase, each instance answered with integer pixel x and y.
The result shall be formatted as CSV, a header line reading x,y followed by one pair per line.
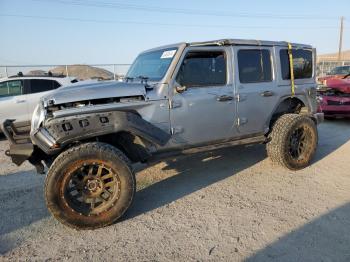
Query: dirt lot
x,y
228,205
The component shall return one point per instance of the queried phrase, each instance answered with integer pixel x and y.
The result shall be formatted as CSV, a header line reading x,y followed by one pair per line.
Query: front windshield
x,y
343,70
152,65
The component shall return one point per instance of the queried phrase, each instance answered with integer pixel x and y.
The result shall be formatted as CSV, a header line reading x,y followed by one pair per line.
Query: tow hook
x,y
40,169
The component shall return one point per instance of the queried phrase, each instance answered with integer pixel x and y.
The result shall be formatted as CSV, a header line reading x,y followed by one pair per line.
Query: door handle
x,y
267,93
224,98
20,101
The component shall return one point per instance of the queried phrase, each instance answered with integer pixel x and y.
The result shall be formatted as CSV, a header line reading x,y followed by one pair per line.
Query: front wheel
x,y
90,186
293,141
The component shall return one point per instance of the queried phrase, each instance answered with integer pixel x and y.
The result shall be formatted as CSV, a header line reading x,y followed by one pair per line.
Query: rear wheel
x,y
293,141
90,186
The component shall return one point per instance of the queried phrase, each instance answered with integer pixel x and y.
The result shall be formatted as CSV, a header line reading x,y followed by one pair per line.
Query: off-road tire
x,y
279,147
56,191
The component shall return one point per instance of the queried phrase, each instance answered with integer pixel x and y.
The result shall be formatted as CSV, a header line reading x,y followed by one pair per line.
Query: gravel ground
x,y
228,205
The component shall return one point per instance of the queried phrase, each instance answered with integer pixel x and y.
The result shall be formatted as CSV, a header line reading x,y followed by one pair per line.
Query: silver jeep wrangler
x,y
175,99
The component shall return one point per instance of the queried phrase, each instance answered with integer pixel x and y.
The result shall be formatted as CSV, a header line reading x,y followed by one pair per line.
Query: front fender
x,y
56,133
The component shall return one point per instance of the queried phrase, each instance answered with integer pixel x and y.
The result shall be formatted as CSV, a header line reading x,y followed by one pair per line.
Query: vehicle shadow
x,y
2,136
197,171
21,204
21,194
193,173
332,135
326,238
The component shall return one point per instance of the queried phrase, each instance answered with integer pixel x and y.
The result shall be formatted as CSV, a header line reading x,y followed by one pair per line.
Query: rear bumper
x,y
319,117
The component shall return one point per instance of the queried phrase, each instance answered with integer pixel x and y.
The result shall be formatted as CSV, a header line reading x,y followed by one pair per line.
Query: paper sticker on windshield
x,y
168,54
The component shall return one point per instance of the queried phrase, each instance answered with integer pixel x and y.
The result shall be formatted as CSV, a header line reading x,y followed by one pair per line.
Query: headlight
x,y
37,118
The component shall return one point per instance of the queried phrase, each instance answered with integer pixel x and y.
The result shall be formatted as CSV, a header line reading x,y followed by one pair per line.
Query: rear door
x,y
256,86
304,73
37,89
13,101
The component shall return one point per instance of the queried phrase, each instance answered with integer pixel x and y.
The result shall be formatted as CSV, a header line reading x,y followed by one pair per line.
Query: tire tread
x,y
277,138
93,147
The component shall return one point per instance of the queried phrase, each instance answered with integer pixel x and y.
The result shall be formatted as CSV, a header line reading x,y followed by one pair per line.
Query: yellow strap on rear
x,y
291,66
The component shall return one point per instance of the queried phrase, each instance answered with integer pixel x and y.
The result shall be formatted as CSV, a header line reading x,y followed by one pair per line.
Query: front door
x,y
257,88
202,97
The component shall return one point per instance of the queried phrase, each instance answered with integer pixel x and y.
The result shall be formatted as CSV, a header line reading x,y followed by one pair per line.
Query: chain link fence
x,y
323,67
112,71
82,72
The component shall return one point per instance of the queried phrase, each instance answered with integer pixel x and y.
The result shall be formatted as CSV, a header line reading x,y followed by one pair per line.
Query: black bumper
x,y
18,134
319,117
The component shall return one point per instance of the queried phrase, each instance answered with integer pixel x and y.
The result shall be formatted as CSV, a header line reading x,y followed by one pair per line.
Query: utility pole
x,y
341,38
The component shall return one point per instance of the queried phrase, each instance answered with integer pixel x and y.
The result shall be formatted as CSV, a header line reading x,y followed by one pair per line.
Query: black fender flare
x,y
136,125
283,105
66,130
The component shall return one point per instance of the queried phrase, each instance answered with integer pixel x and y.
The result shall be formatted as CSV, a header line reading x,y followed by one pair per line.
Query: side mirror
x,y
180,89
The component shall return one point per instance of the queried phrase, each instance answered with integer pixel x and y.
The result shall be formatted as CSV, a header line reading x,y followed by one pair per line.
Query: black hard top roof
x,y
247,42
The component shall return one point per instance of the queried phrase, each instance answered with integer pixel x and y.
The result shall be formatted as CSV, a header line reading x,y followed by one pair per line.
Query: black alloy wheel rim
x,y
299,142
91,188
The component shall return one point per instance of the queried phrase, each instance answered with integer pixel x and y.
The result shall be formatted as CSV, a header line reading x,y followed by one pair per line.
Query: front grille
x,y
338,103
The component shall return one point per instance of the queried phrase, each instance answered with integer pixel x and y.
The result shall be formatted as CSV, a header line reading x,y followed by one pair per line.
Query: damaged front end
x,y
94,113
334,98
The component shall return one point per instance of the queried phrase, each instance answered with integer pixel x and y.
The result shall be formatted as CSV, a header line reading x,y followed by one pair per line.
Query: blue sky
x,y
69,32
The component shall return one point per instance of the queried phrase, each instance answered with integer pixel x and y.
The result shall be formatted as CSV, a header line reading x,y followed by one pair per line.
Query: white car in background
x,y
20,94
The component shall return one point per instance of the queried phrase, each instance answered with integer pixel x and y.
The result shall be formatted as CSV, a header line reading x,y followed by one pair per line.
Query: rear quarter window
x,y
302,63
42,85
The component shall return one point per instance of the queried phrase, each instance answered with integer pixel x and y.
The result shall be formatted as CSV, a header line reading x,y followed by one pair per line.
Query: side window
x,y
11,88
42,85
203,68
254,66
302,63
56,85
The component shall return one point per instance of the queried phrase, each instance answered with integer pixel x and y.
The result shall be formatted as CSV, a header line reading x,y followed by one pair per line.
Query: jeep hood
x,y
95,90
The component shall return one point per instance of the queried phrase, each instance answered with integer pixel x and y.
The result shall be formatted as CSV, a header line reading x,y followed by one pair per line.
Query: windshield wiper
x,y
143,79
127,78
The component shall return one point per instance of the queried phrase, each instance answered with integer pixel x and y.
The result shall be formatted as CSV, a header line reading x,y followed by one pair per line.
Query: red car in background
x,y
334,97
